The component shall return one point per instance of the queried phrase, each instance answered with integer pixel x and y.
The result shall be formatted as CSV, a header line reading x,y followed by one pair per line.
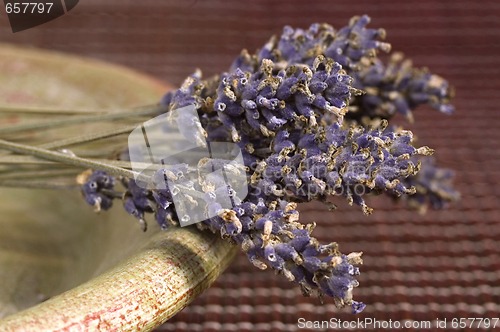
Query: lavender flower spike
x,y
310,114
271,236
433,187
398,88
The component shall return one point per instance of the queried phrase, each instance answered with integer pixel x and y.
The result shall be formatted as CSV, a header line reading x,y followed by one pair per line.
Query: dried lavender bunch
x,y
296,110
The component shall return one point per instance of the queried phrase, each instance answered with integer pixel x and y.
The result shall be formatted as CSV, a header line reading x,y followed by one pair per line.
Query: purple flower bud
x,y
357,307
273,259
98,190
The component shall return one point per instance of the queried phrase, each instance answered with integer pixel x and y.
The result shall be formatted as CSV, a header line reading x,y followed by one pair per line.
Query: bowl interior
x,y
51,241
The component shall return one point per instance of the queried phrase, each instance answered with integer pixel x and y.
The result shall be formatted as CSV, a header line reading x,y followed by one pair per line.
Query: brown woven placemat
x,y
444,264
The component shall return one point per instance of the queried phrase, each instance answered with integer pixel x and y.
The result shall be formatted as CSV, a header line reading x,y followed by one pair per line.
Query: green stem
x,y
65,121
67,159
32,110
37,174
23,160
87,138
37,184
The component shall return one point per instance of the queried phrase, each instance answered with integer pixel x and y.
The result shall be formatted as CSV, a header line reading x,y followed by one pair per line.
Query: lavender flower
x,y
297,111
97,189
272,99
389,89
348,46
397,88
269,233
138,201
433,187
335,161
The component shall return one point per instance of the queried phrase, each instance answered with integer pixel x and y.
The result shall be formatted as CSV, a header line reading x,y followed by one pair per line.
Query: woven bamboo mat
x,y
444,264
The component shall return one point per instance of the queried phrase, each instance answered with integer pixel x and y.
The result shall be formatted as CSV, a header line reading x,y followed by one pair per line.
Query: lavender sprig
x,y
272,99
269,233
97,188
433,186
335,161
346,46
296,109
395,87
398,87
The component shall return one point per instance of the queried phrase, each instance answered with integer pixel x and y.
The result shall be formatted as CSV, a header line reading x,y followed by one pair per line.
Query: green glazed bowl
x,y
62,266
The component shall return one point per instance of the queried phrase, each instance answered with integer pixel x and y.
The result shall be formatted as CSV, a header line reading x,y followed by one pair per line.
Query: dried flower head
x,y
297,109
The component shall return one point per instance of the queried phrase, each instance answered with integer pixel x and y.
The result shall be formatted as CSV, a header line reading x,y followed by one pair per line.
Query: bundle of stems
x,y
40,150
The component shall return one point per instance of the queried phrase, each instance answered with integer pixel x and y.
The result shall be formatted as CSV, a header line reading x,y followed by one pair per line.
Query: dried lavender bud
x,y
433,186
398,88
336,161
357,307
274,238
137,201
347,46
188,94
284,107
355,42
393,88
97,190
272,99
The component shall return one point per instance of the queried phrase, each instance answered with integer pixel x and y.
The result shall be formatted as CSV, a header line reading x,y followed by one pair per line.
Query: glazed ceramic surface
x,y
114,275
